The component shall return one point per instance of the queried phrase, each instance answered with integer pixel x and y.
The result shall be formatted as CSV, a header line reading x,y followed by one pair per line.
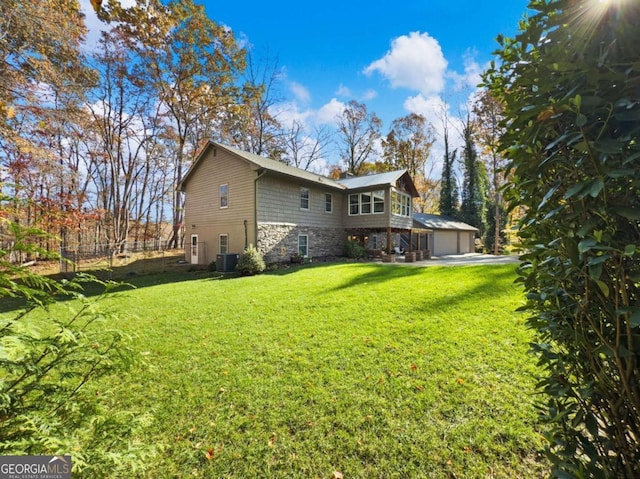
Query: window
x,y
378,201
365,203
224,196
401,204
406,206
354,204
328,203
304,198
303,245
224,244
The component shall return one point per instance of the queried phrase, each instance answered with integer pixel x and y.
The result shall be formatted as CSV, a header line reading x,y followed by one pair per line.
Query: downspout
x,y
255,206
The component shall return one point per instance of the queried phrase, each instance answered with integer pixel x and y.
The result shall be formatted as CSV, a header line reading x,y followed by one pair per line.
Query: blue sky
x,y
396,57
329,49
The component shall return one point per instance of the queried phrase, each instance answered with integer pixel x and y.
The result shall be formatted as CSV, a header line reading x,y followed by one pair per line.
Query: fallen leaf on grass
x,y
460,381
210,454
337,475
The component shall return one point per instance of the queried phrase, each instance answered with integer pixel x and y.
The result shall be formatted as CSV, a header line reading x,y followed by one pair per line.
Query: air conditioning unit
x,y
226,263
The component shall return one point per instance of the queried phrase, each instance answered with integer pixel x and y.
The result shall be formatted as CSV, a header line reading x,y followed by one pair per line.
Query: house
x,y
449,236
234,198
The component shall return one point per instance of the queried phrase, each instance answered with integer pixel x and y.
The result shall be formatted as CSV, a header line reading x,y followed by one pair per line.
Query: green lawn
x,y
364,369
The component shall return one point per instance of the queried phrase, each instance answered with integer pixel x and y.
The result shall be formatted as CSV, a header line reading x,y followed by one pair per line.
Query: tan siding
x,y
279,202
203,215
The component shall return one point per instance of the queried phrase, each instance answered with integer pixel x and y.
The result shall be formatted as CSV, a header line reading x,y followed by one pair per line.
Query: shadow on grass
x,y
125,282
378,273
483,286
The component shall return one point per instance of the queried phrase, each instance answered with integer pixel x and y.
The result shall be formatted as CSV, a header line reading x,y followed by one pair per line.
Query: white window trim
x,y
328,195
349,204
302,189
220,196
307,244
402,203
372,203
220,236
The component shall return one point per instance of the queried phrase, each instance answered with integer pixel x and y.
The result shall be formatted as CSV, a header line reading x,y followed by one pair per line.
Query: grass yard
x,y
367,370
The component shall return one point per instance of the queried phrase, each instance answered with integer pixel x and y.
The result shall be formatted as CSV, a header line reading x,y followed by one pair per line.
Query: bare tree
x,y
255,128
303,149
489,113
358,132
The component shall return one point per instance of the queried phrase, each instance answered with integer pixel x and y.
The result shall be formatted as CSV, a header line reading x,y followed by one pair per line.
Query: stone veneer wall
x,y
278,241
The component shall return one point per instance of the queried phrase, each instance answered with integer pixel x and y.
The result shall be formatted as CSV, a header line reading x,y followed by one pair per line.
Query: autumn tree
x,y
488,112
44,77
119,107
358,132
194,64
408,144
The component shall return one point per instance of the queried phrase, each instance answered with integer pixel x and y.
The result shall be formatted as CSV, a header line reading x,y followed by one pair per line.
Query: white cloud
x,y
369,95
435,109
288,112
300,92
471,76
415,61
329,112
343,91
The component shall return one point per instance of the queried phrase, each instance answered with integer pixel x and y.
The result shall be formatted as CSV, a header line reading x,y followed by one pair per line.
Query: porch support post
x,y
388,239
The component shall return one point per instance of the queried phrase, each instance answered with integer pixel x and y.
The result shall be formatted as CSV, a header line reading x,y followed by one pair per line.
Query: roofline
x,y
304,175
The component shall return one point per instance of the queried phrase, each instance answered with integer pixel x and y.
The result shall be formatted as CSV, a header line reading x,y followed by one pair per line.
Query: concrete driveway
x,y
461,259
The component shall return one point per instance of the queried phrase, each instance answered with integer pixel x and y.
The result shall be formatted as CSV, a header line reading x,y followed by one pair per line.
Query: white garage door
x,y
445,242
465,242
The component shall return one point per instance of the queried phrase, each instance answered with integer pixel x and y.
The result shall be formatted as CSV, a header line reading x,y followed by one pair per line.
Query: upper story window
x,y
400,204
378,201
224,196
354,204
304,198
366,203
328,203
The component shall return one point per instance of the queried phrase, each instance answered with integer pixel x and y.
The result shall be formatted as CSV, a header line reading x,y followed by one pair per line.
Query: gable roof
x,y
438,222
261,163
391,178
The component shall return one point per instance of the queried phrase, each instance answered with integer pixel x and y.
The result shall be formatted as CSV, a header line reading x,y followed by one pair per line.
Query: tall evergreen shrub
x,y
570,82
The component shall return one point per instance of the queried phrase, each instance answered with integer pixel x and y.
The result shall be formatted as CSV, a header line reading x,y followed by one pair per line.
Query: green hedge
x,y
570,84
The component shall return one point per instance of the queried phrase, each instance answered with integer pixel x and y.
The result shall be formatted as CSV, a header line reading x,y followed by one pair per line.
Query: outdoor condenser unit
x,y
226,263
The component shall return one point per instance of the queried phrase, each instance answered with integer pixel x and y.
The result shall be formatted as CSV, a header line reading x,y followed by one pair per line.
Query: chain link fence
x,y
77,258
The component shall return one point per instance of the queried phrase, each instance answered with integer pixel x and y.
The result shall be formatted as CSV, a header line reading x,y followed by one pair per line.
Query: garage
x,y
450,236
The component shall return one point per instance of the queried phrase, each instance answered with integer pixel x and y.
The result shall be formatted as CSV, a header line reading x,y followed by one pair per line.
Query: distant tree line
x,y
93,143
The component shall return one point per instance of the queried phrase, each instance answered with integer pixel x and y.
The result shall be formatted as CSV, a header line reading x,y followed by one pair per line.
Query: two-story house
x,y
234,198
